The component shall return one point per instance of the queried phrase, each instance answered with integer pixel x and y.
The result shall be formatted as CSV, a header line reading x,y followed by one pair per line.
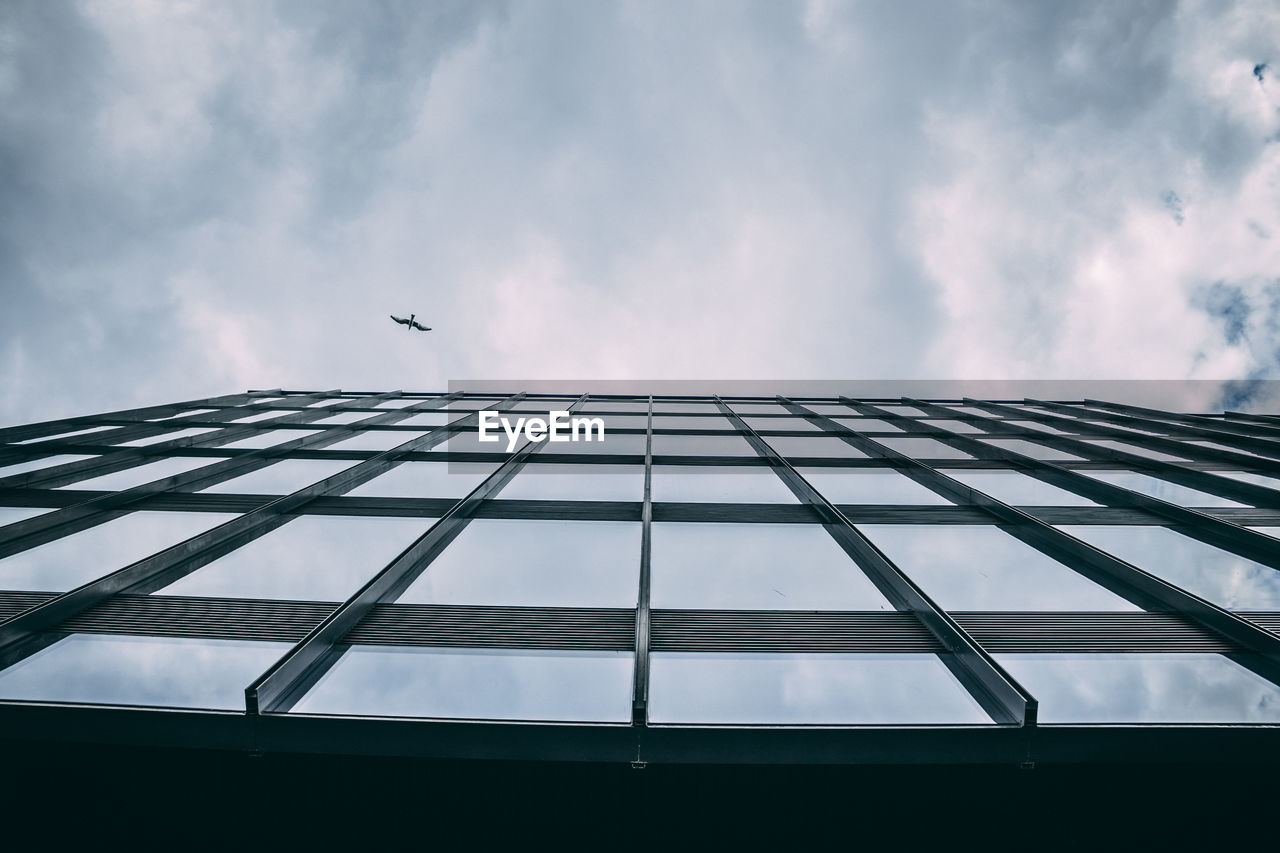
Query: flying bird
x,y
410,323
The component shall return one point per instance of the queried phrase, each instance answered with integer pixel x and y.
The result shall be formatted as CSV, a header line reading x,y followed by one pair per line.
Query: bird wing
x,y
399,319
418,325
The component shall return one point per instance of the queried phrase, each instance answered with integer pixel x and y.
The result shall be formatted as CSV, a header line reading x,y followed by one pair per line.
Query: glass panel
x,y
677,422
37,464
869,486
756,566
272,437
1144,688
1018,489
909,411
347,417
185,414
485,684
427,419
1226,579
73,560
168,436
262,416
60,436
317,558
629,444
14,514
469,442
280,478
1135,449
127,478
154,671
818,445
1157,488
813,689
701,445
923,448
426,480
774,424
681,406
327,401
611,406
398,403
1032,449
983,568
702,484
867,425
535,563
382,439
1216,446
759,408
550,482
1247,477
829,408
953,426
1039,427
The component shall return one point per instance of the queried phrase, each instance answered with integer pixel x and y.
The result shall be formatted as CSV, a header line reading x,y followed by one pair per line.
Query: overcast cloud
x,y
200,198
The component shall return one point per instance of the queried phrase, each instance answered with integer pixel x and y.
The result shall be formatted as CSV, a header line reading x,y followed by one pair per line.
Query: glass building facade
x,y
720,579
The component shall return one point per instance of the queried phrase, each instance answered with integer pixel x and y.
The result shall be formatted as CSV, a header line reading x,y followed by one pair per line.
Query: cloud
x,y
205,197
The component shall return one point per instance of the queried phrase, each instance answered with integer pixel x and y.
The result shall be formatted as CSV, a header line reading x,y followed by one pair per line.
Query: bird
x,y
410,323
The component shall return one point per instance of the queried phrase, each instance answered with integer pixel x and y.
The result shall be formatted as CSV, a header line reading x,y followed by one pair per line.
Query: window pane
x,y
272,437
676,422
485,684
706,484
427,419
869,486
73,560
262,416
1135,449
154,671
14,514
867,425
613,443
346,418
954,426
1256,479
1144,688
37,464
550,482
127,478
281,478
814,689
426,480
701,445
60,436
1162,489
317,558
923,448
984,568
535,563
756,566
1226,579
167,436
1018,489
1030,448
382,439
775,424
818,445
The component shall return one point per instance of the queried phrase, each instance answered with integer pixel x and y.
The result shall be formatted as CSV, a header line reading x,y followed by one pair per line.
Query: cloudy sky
x,y
204,197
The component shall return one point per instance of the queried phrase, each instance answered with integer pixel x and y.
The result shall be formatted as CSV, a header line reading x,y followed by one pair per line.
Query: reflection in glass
x,y
818,445
755,567
535,563
127,478
272,437
965,567
1032,449
923,448
1017,489
807,689
1226,579
1144,688
281,478
1162,489
166,672
483,684
167,436
701,445
316,558
426,480
380,439
552,482
37,464
869,486
703,484
79,558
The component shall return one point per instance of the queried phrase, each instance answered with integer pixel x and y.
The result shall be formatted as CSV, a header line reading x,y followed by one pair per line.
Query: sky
x,y
198,198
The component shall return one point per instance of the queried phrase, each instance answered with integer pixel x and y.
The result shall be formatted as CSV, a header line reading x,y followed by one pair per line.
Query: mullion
x,y
640,688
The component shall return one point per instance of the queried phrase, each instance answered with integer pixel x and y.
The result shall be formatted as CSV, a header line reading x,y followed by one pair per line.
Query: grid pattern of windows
x,y
711,562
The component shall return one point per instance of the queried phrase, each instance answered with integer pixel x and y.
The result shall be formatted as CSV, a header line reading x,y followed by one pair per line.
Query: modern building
x,y
720,580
